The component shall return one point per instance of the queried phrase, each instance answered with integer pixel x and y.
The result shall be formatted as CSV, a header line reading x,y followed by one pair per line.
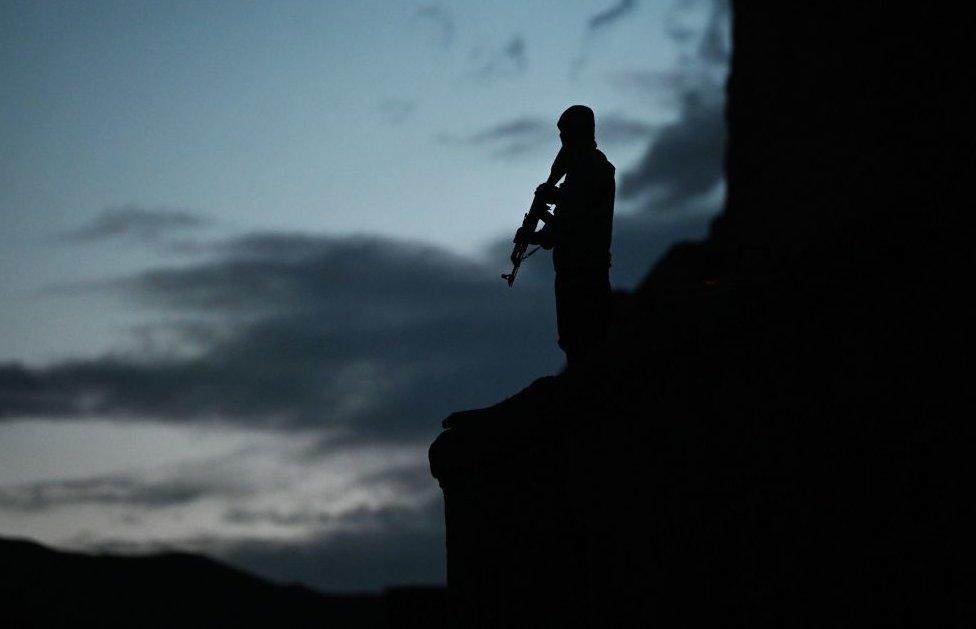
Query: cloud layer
x,y
402,545
370,338
683,164
612,14
527,134
105,490
134,222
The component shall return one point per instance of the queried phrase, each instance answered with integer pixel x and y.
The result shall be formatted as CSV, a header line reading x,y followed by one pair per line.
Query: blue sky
x,y
186,187
330,117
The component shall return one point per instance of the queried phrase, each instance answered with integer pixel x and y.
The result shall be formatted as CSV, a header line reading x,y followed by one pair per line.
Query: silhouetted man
x,y
579,233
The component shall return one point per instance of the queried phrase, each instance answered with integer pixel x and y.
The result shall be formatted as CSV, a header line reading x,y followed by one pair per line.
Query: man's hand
x,y
524,234
547,193
540,211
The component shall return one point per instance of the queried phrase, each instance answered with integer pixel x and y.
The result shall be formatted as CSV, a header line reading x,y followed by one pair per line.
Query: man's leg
x,y
583,301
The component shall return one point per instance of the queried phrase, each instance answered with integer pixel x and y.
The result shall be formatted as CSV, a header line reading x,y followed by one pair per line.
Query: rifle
x,y
529,223
531,219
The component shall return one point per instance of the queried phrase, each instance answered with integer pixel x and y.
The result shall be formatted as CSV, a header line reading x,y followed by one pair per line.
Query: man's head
x,y
577,127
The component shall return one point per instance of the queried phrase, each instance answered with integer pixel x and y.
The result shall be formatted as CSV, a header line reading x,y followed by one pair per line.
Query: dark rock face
x,y
778,432
850,124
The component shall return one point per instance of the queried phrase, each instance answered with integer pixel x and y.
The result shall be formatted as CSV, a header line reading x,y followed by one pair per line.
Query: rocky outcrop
x,y
777,432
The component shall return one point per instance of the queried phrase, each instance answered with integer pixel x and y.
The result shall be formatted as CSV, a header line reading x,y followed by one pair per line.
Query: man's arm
x,y
547,193
545,237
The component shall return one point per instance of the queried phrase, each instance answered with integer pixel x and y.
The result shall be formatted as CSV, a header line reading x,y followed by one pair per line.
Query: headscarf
x,y
579,123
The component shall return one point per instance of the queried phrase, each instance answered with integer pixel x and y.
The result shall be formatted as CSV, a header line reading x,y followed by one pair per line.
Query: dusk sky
x,y
250,254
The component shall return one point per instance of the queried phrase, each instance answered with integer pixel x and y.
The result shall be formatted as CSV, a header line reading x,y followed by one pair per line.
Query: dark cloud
x,y
528,134
128,491
515,52
375,338
138,223
684,161
517,129
700,30
303,518
441,21
617,130
347,281
640,239
598,23
656,84
676,27
508,139
612,14
714,48
511,58
370,549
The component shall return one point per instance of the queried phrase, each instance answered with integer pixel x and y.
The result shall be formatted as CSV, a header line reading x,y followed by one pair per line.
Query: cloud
x,y
361,339
683,163
515,52
596,24
508,139
275,494
511,58
364,550
517,129
375,339
359,519
125,490
402,545
685,159
137,223
612,14
441,22
401,479
714,48
656,84
383,496
616,130
528,134
640,239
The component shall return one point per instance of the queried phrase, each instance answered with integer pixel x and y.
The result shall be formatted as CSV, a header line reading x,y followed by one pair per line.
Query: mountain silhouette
x,y
41,587
777,432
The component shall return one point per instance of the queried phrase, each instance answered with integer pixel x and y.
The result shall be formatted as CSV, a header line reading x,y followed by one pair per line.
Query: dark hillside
x,y
40,587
